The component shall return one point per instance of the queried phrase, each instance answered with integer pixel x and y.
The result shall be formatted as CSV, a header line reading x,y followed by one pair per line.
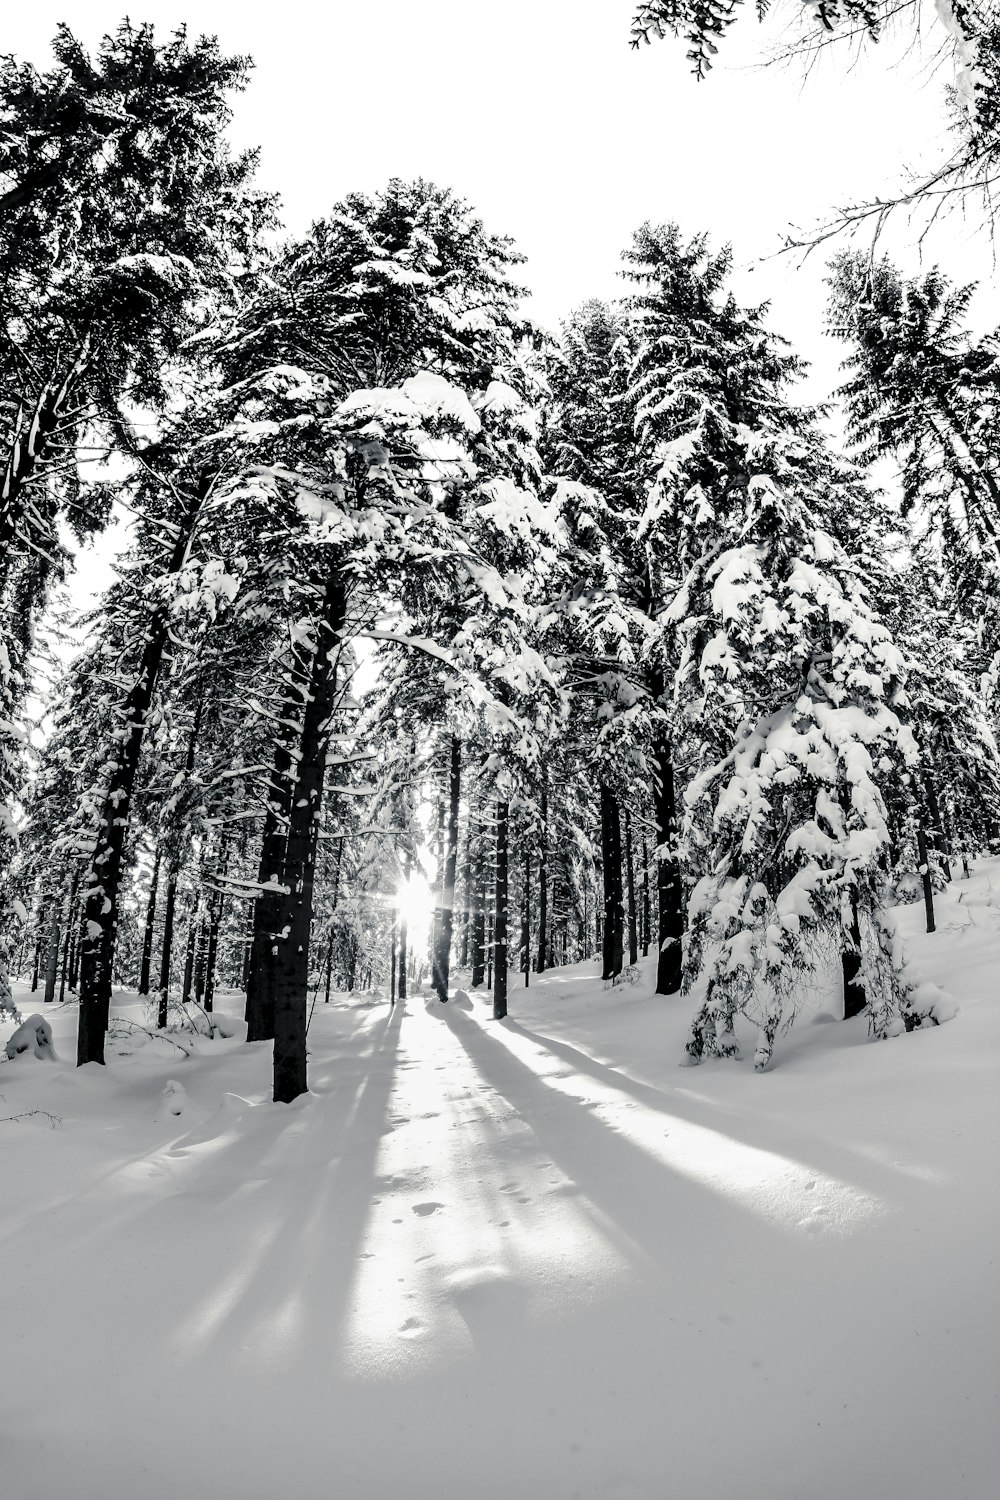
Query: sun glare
x,y
415,904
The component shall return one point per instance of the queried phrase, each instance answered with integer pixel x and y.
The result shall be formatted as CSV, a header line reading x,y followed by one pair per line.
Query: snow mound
x,y
32,1036
461,1000
174,1096
227,1026
932,1004
234,1104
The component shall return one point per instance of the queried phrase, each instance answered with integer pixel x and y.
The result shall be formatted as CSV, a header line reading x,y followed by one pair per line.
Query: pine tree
x,y
922,389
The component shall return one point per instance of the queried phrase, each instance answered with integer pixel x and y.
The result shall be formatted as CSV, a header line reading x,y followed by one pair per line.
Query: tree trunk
x,y
192,935
645,898
925,875
479,911
212,955
613,945
543,873
526,919
553,922
267,907
939,835
500,918
67,938
855,998
200,955
167,947
74,957
670,925
633,925
295,917
52,955
403,932
103,880
467,891
147,932
490,956
444,927
434,946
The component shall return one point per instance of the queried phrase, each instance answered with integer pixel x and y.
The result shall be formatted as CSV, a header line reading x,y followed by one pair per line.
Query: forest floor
x,y
523,1259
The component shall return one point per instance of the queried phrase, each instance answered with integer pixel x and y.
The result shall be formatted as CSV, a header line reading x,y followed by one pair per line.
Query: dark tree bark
x,y
855,998
479,955
543,873
526,919
169,911
444,926
192,932
938,832
244,974
36,965
553,921
490,955
434,946
52,955
267,907
613,945
212,952
67,938
645,898
392,962
633,925
74,956
403,955
295,918
103,880
500,917
467,892
925,875
670,924
147,931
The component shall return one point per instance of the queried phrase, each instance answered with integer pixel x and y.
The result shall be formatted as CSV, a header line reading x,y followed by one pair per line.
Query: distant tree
x,y
925,391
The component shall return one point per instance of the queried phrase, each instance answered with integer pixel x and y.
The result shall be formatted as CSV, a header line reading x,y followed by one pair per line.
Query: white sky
x,y
543,117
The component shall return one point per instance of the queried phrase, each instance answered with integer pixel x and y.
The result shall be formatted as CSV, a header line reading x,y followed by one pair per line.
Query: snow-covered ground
x,y
527,1259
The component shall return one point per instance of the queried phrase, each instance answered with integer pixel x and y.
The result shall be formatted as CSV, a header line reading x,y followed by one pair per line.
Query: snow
x,y
33,1038
533,1257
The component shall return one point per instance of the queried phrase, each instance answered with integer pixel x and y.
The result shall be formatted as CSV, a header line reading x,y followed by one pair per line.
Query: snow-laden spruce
x,y
788,823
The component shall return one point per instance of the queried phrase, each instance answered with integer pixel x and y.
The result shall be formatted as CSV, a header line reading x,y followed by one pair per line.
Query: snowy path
x,y
529,1259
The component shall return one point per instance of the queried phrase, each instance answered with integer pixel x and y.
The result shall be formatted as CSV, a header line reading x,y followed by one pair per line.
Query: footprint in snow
x,y
424,1209
411,1328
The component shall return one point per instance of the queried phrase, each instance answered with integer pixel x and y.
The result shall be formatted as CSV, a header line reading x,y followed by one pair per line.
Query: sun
x,y
415,904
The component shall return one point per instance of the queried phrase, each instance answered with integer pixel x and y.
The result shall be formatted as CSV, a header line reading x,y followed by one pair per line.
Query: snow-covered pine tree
x,y
592,444
700,363
924,391
784,657
952,794
786,687
124,216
